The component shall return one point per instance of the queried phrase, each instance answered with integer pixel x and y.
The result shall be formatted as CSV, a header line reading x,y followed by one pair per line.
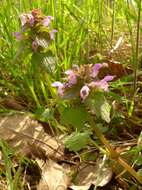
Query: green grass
x,y
83,27
11,174
87,31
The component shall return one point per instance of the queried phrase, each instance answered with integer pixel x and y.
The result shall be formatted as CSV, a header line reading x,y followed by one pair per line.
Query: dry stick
x,y
114,154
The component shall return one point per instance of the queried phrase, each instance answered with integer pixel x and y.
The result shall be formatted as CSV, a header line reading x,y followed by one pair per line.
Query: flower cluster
x,y
35,26
80,81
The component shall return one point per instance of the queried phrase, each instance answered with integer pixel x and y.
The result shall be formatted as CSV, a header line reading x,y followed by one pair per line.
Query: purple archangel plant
x,y
82,81
85,84
36,30
35,37
36,52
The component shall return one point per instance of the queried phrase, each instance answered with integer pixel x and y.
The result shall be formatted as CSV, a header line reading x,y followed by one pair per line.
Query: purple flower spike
x,y
52,34
47,20
18,36
84,92
95,70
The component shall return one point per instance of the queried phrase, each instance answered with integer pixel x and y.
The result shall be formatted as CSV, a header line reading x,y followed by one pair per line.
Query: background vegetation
x,y
88,32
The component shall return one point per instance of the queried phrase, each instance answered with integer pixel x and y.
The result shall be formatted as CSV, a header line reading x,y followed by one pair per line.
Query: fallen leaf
x,y
114,68
11,103
99,174
28,136
54,176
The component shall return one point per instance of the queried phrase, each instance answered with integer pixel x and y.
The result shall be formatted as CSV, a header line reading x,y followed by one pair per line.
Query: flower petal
x,y
60,87
52,33
96,69
57,84
69,72
84,92
27,18
72,78
60,91
108,78
47,20
23,19
101,84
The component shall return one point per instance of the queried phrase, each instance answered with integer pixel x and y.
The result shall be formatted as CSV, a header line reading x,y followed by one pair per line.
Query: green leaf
x,y
105,111
100,106
42,42
101,127
44,59
75,116
44,115
77,140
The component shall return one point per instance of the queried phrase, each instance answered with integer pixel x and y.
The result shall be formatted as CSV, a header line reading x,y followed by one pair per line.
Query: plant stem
x,y
114,154
130,169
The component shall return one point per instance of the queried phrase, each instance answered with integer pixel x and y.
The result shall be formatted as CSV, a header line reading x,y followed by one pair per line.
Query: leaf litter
x,y
29,138
23,132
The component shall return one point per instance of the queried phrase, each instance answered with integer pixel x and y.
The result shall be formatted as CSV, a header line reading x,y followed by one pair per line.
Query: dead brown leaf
x,y
25,133
54,176
99,175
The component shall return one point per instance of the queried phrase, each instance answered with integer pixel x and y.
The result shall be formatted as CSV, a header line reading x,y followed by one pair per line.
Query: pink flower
x,y
27,19
18,36
108,78
102,84
57,84
60,87
72,78
84,92
52,34
47,20
95,70
23,19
